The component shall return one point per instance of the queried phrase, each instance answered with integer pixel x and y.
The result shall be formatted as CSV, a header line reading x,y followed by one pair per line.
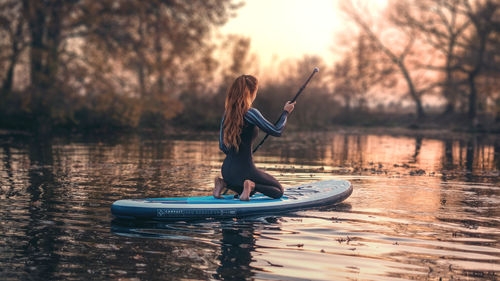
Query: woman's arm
x,y
221,137
254,116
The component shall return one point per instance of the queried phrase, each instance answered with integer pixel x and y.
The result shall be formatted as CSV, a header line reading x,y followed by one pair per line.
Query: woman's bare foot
x,y
248,187
219,184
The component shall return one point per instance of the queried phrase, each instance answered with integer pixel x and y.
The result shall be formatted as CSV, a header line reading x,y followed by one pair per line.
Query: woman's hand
x,y
289,106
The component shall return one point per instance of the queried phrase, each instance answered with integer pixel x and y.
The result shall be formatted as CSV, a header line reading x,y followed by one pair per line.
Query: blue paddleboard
x,y
181,208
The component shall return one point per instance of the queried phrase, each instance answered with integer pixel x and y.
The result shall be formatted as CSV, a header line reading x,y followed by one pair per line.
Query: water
x,y
422,208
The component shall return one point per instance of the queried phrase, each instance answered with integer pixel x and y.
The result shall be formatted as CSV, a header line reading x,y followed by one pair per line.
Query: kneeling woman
x,y
239,127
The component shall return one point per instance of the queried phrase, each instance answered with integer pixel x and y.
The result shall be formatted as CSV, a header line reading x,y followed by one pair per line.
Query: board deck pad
x,y
180,208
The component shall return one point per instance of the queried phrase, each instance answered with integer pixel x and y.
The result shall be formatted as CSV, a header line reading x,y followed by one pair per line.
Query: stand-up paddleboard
x,y
297,197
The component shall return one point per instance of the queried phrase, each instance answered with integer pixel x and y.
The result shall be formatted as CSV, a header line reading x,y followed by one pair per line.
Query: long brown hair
x,y
238,101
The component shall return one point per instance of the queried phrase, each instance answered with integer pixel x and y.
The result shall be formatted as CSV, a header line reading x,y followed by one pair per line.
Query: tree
x,y
78,49
234,59
240,60
165,45
462,32
484,18
12,31
361,69
398,56
442,27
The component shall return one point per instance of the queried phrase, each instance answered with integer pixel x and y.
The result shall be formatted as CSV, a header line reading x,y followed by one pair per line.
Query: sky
x,y
289,29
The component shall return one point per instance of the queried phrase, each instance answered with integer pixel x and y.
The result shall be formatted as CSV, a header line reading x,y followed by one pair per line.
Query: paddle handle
x,y
305,84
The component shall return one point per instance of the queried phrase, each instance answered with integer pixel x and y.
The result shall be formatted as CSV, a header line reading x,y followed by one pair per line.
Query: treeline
x,y
102,65
106,64
445,51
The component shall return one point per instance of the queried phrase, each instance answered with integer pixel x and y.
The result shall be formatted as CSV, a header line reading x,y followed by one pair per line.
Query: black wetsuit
x,y
239,166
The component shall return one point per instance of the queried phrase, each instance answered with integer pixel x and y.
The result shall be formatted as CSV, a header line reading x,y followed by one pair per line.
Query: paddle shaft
x,y
294,98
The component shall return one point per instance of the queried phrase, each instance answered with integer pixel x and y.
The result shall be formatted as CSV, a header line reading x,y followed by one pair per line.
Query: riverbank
x,y
182,133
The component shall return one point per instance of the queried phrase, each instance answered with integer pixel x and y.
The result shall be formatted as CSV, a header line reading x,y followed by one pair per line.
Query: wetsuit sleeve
x,y
221,138
254,116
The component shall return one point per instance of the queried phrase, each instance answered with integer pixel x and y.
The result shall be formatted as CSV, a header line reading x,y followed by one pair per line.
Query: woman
x,y
239,127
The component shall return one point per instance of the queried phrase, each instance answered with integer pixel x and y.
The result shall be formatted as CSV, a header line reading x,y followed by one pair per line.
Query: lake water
x,y
422,208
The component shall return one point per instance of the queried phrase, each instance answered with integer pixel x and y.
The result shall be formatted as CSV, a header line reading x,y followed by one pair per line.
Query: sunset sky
x,y
281,29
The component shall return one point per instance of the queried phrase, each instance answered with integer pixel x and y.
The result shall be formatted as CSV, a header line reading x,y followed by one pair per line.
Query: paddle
x,y
294,98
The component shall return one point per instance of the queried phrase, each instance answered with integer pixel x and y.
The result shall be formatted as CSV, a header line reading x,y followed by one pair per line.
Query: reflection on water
x,y
421,208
